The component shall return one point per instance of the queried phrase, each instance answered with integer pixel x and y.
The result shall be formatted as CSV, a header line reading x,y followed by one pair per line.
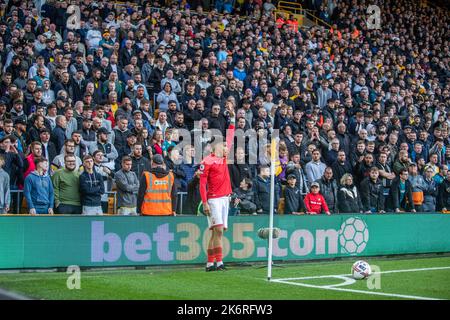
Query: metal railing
x,y
18,199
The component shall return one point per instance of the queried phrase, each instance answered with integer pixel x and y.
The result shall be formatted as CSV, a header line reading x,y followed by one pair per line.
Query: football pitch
x,y
396,278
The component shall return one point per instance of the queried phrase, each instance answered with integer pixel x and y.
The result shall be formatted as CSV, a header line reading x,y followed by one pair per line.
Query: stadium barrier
x,y
87,241
19,204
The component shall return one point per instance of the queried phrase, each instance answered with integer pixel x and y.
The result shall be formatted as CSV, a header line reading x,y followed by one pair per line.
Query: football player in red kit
x,y
215,190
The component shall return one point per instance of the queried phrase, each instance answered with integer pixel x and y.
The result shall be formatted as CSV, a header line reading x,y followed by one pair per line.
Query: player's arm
x,y
203,183
231,127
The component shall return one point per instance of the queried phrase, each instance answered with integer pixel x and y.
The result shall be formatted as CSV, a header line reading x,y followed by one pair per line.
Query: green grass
x,y
239,283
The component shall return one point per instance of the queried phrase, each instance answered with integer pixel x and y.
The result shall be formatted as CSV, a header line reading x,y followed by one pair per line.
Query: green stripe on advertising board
x,y
59,241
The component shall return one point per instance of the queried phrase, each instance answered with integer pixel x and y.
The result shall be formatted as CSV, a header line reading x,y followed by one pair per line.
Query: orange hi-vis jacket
x,y
157,198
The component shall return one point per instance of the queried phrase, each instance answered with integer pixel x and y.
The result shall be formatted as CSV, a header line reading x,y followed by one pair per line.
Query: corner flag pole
x,y
273,153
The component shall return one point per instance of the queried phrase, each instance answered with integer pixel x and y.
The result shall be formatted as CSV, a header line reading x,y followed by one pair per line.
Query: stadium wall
x,y
60,241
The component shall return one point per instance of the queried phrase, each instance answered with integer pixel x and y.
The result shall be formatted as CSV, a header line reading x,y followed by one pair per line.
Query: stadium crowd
x,y
89,106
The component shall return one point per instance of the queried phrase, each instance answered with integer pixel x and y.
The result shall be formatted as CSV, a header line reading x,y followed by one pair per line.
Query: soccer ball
x,y
361,270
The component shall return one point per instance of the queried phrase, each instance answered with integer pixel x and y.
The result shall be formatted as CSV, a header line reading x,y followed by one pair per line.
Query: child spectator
x,y
243,197
315,202
293,197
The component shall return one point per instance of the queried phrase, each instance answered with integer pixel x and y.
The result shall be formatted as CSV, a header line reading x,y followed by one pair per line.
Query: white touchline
x,y
349,281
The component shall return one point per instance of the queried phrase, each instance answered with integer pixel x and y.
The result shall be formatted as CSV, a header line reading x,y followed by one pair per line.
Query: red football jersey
x,y
215,179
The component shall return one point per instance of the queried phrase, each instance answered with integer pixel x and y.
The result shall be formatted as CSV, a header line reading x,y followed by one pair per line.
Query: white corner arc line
x,y
356,291
346,276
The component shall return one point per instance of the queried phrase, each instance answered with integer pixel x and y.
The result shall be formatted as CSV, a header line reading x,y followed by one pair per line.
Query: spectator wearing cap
x,y
293,197
17,111
107,43
102,144
315,202
157,192
20,128
48,147
36,102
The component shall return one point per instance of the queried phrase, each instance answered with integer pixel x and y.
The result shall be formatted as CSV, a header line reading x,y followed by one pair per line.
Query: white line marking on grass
x,y
348,281
383,272
11,295
356,291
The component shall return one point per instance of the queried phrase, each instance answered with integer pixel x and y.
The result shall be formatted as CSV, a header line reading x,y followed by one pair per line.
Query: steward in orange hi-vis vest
x,y
157,194
157,198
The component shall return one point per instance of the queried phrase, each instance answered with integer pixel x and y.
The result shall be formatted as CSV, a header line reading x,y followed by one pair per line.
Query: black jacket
x,y
394,196
247,198
340,169
372,194
349,200
329,190
91,189
238,172
293,200
140,165
58,137
51,149
443,200
261,188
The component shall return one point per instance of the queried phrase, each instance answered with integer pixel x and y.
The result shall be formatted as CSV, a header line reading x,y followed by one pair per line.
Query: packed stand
x,y
102,105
